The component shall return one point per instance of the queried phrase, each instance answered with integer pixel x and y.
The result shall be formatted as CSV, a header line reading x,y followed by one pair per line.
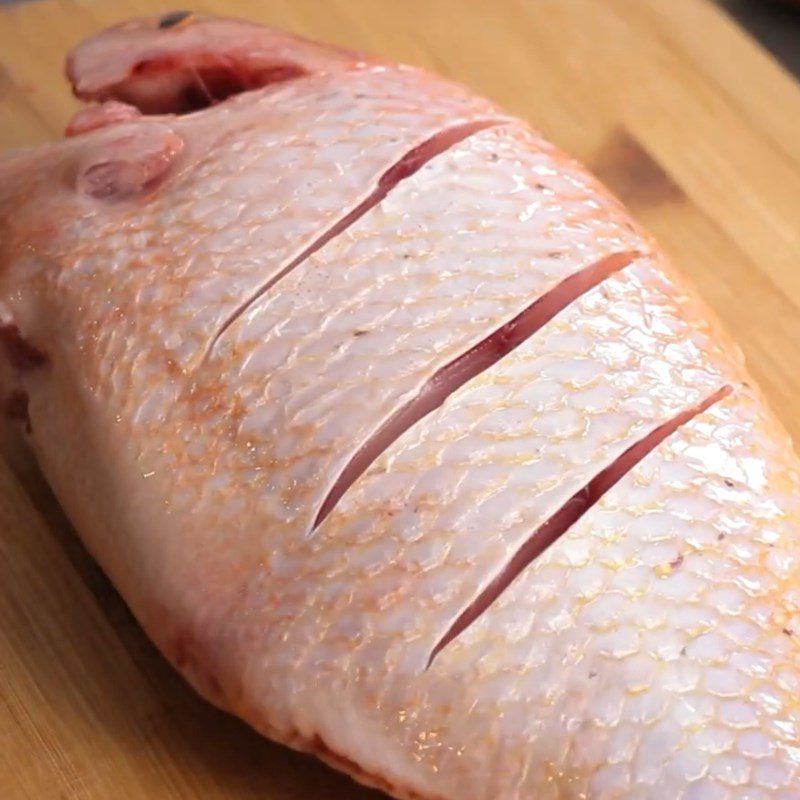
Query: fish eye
x,y
173,18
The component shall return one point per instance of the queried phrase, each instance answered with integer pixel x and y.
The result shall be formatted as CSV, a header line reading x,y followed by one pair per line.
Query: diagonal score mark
x,y
470,364
566,516
410,163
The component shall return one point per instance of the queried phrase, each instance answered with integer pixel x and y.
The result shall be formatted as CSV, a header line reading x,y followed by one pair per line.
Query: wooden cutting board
x,y
667,100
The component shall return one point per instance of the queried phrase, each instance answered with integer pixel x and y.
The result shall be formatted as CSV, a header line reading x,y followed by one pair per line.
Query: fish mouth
x,y
179,62
181,84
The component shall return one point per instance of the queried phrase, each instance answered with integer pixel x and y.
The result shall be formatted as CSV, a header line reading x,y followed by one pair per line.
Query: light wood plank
x,y
687,118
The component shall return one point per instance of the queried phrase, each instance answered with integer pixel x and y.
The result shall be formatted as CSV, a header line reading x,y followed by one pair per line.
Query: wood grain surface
x,y
670,103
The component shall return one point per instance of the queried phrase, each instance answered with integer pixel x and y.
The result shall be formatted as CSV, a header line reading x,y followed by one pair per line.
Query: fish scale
x,y
225,305
296,362
440,525
183,263
663,633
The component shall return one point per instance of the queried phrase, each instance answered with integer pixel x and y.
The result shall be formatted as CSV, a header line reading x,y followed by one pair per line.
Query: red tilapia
x,y
399,437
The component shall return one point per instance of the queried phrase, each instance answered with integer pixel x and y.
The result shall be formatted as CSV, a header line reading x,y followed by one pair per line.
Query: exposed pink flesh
x,y
410,163
470,364
566,516
191,81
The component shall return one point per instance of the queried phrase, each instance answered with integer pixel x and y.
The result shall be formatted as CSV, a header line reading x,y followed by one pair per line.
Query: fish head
x,y
179,61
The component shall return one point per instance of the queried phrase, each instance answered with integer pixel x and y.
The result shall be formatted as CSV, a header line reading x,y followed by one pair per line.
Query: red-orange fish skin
x,y
230,306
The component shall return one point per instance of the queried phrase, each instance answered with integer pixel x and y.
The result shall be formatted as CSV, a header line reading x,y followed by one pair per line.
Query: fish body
x,y
401,440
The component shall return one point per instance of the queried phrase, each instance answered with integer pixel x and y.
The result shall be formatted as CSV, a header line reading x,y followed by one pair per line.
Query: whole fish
x,y
399,437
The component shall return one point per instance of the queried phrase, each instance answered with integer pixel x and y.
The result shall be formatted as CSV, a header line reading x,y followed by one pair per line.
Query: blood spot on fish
x,y
15,407
360,333
664,570
729,483
788,631
21,354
